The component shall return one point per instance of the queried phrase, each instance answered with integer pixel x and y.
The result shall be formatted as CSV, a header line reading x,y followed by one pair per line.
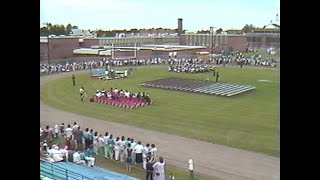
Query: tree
x,y
248,28
56,29
203,32
219,31
68,29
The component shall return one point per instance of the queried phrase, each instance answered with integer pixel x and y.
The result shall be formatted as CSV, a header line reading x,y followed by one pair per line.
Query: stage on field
x,y
199,86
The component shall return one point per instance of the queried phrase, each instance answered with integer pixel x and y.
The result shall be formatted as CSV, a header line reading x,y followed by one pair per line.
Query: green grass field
x,y
248,121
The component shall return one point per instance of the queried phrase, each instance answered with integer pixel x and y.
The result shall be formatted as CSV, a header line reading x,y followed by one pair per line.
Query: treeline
x,y
218,31
56,29
247,28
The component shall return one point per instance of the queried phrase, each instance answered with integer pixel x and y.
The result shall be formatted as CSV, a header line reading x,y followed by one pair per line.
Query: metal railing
x,y
58,173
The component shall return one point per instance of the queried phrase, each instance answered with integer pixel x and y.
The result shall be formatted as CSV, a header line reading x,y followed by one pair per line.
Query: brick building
x,y
59,48
219,41
264,38
62,47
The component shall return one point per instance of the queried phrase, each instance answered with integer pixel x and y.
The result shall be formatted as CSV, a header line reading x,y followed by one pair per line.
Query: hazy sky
x,y
127,14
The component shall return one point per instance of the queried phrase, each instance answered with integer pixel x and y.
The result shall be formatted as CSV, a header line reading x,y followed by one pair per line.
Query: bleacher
x,y
199,86
70,171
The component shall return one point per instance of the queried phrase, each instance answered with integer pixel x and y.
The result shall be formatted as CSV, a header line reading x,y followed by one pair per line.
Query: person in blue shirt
x,y
89,156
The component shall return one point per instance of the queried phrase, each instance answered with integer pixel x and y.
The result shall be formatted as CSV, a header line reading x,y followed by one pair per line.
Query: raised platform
x,y
199,86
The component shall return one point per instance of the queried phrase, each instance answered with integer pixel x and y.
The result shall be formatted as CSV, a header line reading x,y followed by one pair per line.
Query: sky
x,y
128,14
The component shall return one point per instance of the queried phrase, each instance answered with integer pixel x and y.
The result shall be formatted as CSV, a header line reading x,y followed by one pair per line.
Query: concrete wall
x,y
87,43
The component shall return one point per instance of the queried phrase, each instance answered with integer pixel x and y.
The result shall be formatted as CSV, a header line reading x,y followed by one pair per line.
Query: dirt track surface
x,y
211,159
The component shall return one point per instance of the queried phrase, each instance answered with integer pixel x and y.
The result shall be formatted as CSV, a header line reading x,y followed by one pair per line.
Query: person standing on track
x,y
73,80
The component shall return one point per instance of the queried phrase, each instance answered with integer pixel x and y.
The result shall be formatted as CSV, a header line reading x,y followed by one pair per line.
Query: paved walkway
x,y
211,159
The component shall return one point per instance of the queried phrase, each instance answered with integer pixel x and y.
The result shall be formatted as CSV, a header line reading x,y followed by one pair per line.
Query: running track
x,y
211,159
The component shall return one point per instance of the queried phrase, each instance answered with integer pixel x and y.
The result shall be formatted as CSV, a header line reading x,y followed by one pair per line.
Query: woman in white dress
x,y
95,142
159,169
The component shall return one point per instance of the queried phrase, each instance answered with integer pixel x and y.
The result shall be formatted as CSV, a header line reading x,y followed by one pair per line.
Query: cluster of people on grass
x,y
190,68
256,60
125,96
104,62
219,59
68,67
81,146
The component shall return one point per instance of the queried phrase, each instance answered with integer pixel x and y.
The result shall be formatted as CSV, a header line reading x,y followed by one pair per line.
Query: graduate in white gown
x,y
159,169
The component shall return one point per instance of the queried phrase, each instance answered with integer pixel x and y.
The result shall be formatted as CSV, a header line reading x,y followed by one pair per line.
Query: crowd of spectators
x,y
190,68
219,59
81,146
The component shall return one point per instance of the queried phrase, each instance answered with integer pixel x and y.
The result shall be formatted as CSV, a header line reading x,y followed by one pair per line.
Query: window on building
x,y
273,39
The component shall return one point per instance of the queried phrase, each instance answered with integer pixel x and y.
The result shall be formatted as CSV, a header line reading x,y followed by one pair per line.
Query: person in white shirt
x,y
159,168
75,126
138,149
144,155
95,142
56,131
127,94
101,144
103,92
109,95
82,94
133,144
125,73
77,159
121,92
69,131
65,152
117,148
122,148
106,147
117,151
153,150
98,94
56,154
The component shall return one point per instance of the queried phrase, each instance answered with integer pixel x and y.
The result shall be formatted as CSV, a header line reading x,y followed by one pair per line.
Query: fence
x,y
55,172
